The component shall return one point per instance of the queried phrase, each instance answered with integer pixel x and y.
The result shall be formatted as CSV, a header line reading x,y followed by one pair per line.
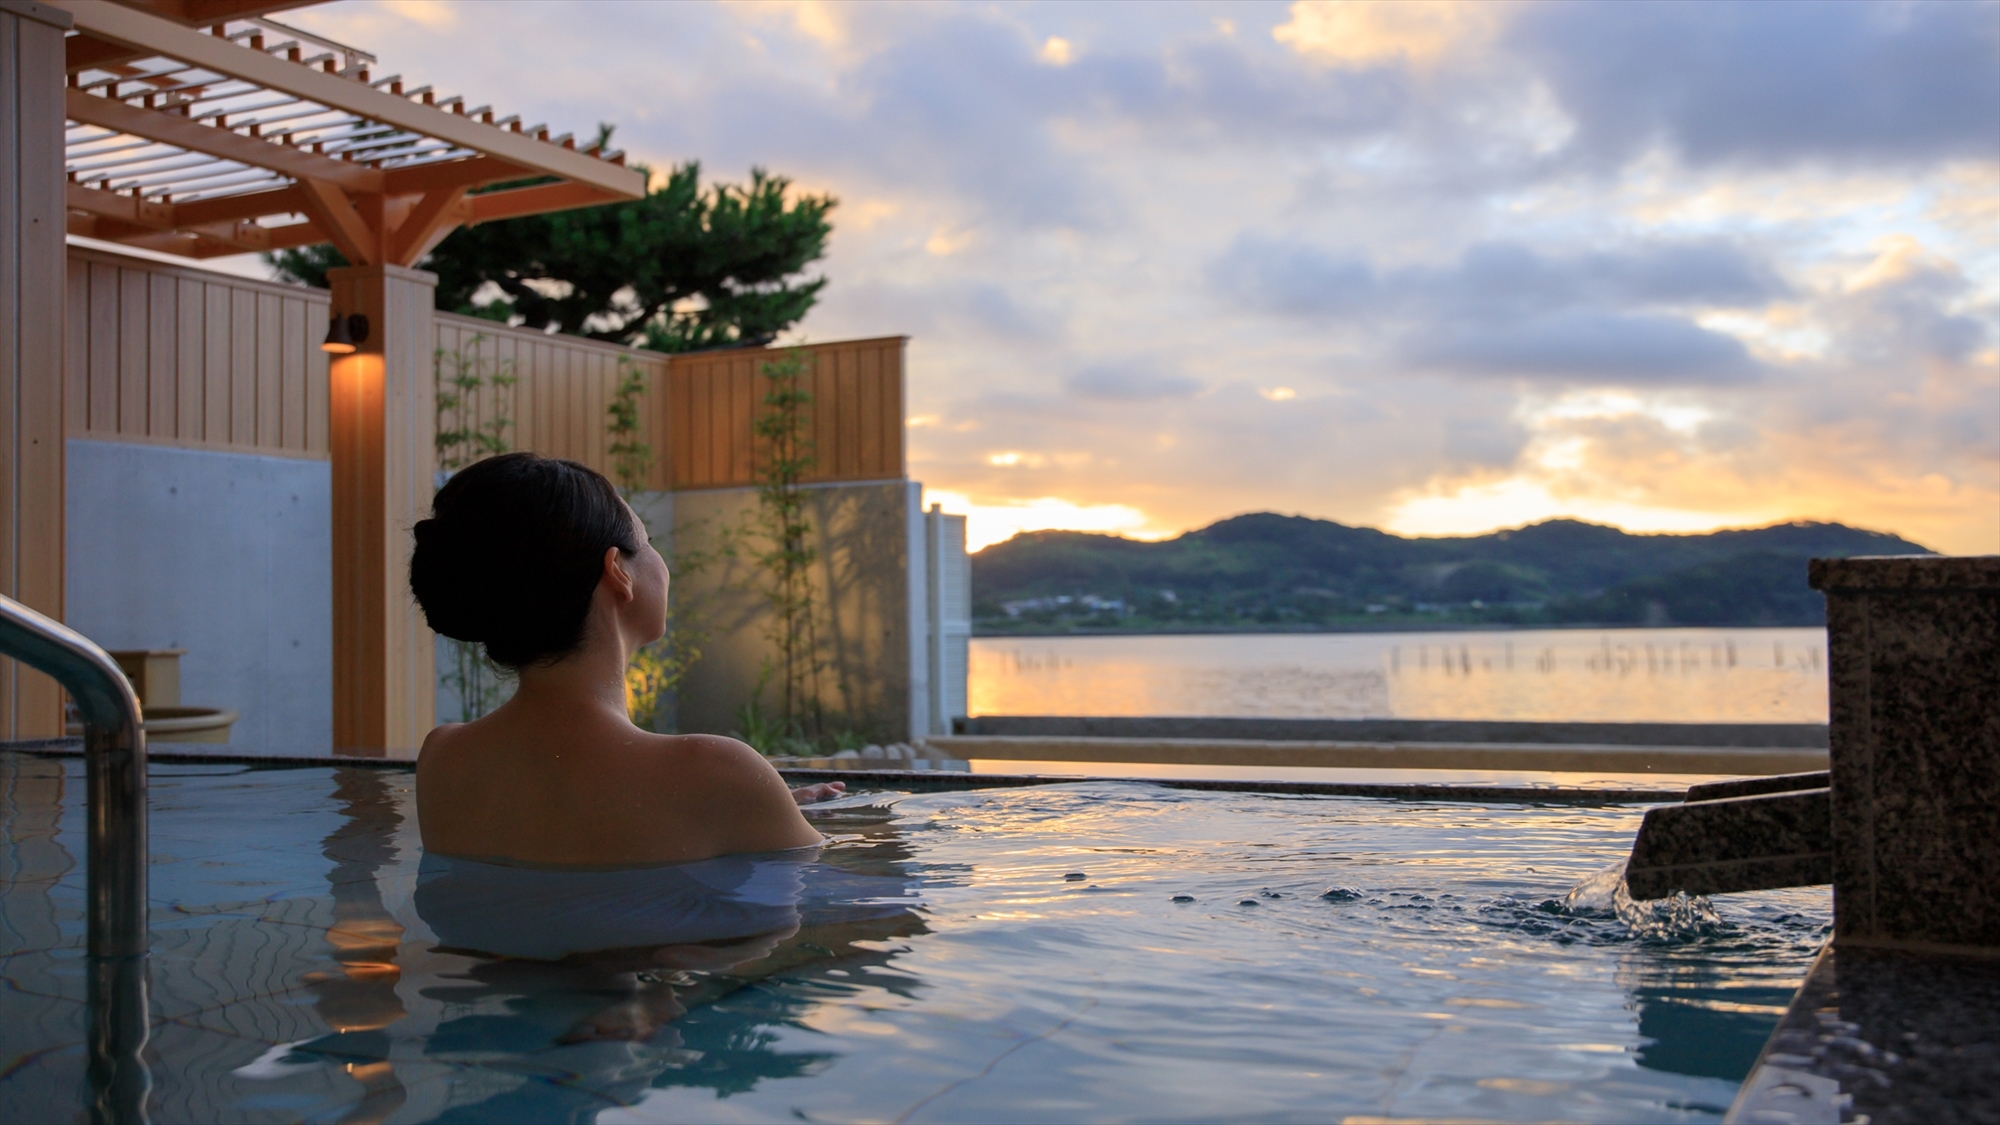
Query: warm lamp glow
x,y
345,333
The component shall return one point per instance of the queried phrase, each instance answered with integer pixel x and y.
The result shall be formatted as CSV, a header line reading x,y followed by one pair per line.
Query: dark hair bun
x,y
513,551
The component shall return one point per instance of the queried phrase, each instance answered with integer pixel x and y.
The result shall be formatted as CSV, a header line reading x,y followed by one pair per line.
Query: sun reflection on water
x,y
1584,675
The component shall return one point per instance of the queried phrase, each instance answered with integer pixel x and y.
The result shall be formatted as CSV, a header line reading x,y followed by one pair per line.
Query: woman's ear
x,y
616,577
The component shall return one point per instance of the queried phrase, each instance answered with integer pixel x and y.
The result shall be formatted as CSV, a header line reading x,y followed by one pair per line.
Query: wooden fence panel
x,y
171,355
293,386
856,414
214,366
270,322
76,350
697,411
133,333
189,342
539,415
242,367
561,399
176,356
162,355
102,359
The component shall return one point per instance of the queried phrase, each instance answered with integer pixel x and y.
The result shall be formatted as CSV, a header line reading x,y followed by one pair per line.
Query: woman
x,y
540,561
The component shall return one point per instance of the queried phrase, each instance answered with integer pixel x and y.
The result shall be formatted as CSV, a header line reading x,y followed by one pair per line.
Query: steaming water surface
x,y
1089,951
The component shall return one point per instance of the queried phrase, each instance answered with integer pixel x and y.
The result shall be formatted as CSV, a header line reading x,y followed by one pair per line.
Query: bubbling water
x,y
1677,917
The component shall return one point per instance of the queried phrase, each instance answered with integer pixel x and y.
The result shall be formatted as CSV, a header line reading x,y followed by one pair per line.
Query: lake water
x,y
1602,675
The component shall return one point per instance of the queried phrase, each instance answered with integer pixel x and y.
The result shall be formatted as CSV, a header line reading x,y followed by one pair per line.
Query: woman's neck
x,y
592,677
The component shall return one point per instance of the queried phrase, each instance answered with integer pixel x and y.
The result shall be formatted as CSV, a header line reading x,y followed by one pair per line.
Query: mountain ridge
x,y
1266,570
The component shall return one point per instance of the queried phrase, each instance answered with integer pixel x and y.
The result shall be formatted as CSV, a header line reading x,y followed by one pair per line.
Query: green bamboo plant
x,y
470,385
786,555
658,668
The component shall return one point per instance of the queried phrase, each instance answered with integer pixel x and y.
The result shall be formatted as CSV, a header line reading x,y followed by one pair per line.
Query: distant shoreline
x,y
1264,573
1387,627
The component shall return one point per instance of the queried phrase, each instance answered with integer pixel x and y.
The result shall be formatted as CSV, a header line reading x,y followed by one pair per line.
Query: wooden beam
x,y
378,214
477,171
460,215
342,223
384,213
158,241
536,200
202,13
105,227
213,248
428,219
432,218
133,222
81,52
250,205
125,208
241,235
291,200
181,132
293,235
121,24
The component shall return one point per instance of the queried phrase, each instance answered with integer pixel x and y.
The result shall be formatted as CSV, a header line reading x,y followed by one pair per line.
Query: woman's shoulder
x,y
720,744
436,744
738,787
440,734
717,755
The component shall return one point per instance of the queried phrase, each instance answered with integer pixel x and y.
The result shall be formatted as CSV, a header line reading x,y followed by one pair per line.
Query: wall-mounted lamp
x,y
345,333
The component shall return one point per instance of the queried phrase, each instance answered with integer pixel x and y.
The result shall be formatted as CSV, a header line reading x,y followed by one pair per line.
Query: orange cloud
x,y
1369,32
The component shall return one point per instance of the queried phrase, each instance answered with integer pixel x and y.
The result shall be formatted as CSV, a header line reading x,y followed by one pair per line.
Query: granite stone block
x,y
1752,786
1733,844
1882,1036
1914,692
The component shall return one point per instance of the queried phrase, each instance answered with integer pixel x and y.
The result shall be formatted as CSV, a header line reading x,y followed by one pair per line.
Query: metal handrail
x,y
114,746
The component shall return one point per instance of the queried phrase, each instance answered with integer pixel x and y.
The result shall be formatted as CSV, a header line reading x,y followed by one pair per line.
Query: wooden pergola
x,y
206,127
242,134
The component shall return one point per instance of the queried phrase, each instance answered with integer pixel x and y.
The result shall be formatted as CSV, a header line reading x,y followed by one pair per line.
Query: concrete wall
x,y
947,619
867,631
227,555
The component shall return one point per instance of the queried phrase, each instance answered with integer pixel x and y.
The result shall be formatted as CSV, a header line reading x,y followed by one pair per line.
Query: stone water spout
x,y
1895,1022
1906,823
1746,835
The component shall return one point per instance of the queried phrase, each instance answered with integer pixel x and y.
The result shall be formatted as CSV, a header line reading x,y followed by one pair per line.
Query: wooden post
x,y
32,264
381,431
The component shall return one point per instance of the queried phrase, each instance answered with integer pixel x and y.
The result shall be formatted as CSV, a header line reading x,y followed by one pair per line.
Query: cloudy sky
x,y
1427,267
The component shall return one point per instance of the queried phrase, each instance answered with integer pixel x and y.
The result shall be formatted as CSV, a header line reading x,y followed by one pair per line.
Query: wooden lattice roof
x,y
206,127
